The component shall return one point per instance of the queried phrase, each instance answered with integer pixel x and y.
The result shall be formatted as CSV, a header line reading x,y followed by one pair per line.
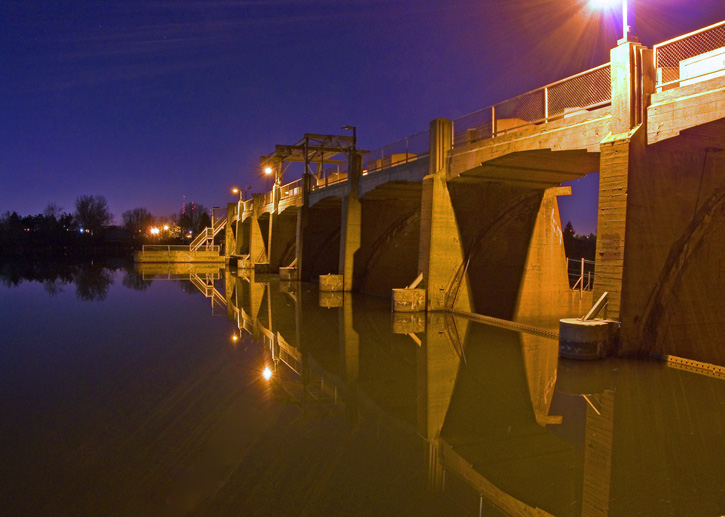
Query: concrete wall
x,y
284,236
388,254
495,223
321,237
178,256
673,287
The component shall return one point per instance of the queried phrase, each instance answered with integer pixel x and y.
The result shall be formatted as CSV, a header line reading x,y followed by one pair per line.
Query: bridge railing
x,y
172,247
403,151
292,189
266,198
329,177
690,57
584,91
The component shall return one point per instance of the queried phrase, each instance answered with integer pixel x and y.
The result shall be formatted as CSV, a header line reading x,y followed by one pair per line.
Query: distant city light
x,y
80,230
235,338
267,373
166,227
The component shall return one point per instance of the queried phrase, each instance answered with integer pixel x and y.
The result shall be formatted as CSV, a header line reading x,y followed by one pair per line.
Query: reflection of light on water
x,y
267,373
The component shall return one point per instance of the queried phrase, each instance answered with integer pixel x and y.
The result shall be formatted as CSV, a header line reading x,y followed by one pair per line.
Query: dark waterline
x,y
138,402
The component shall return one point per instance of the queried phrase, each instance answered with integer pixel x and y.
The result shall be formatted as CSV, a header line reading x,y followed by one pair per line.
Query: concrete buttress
x,y
440,253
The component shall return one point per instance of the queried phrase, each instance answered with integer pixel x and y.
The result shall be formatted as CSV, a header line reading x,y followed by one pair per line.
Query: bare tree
x,y
53,210
92,212
136,220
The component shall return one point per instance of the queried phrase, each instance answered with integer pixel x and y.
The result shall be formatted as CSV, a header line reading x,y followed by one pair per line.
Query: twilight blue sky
x,y
148,101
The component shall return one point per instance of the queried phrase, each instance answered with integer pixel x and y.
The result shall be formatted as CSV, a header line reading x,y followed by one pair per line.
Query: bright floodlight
x,y
267,373
613,4
268,170
154,231
605,3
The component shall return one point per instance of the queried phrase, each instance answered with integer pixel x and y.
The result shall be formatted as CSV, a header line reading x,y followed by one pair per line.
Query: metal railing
x,y
690,56
291,189
206,236
581,274
329,178
165,247
403,151
584,91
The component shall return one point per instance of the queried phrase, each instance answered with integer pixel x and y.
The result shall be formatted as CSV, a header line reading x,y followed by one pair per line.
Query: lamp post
x,y
354,136
356,169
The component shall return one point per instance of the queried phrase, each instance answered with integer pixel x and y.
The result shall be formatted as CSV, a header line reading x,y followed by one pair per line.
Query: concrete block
x,y
331,298
408,322
408,300
262,268
288,273
331,283
587,340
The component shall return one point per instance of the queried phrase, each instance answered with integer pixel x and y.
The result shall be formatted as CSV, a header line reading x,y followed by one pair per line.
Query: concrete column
x,y
621,152
302,214
257,250
230,241
349,238
349,342
544,294
437,363
441,254
351,224
274,244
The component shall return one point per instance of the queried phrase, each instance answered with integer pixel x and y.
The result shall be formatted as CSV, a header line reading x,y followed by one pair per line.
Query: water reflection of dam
x,y
498,413
498,420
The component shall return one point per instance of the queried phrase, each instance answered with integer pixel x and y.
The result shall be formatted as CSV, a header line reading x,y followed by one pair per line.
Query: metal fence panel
x,y
670,54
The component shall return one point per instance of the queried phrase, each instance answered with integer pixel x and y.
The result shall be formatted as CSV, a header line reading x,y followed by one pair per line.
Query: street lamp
x,y
626,28
237,190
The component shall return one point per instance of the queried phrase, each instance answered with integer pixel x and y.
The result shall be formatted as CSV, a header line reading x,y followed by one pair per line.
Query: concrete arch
x,y
489,272
382,244
672,308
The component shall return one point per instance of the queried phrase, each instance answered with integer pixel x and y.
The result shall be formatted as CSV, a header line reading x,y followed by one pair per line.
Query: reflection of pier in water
x,y
498,417
202,276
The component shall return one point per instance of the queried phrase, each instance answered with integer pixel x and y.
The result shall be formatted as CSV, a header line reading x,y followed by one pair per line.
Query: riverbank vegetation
x,y
88,230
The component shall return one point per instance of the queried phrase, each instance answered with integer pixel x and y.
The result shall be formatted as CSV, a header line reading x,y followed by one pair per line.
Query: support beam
x,y
441,253
351,224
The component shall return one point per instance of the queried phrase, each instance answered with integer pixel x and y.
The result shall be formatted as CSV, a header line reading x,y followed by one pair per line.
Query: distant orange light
x,y
268,170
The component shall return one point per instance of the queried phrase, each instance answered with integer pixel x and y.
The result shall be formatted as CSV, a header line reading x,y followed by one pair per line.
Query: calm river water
x,y
144,393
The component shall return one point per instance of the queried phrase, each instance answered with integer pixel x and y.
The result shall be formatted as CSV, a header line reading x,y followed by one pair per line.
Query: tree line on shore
x,y
88,229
